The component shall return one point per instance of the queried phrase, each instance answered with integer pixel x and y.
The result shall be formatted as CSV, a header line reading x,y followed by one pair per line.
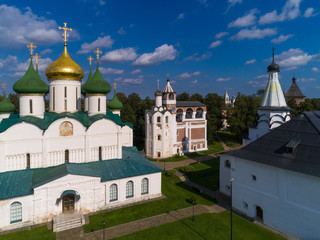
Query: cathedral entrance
x,y
68,203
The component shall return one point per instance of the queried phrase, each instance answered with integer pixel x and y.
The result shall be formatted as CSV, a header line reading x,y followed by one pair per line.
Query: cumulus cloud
x,y
252,61
254,33
181,16
221,34
101,42
290,11
245,21
215,44
305,80
282,38
309,13
111,71
19,28
187,75
136,71
132,81
315,69
119,55
259,84
160,54
197,58
121,31
194,82
231,3
221,79
46,51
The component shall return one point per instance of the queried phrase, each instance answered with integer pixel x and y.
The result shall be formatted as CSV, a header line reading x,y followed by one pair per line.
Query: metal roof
x,y
270,149
190,104
22,182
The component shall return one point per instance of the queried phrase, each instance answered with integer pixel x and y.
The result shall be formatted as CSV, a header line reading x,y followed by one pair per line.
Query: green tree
x,y
15,100
122,97
183,96
197,97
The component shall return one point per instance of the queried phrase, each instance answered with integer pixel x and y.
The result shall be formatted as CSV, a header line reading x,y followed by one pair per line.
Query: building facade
x,y
174,127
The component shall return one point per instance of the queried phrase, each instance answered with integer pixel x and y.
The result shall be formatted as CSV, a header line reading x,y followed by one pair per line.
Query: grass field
x,y
229,139
206,226
177,194
40,233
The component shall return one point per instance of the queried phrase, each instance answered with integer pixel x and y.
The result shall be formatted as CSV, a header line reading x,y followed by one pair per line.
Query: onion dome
x,y
64,68
273,67
115,104
96,84
31,83
158,93
6,106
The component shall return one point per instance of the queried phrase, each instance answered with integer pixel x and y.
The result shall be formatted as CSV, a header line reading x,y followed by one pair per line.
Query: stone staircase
x,y
67,221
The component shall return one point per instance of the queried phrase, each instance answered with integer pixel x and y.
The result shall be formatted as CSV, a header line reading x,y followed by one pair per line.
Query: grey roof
x,y
294,90
22,182
270,149
190,104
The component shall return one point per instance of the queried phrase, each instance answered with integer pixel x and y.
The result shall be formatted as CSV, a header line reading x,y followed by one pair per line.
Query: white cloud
x,y
160,54
259,84
133,81
304,80
252,61
245,21
215,44
221,79
119,55
111,71
101,42
221,34
254,33
121,31
136,71
194,82
309,13
181,16
264,76
46,51
282,38
187,75
197,58
290,11
231,3
19,28
101,2
315,69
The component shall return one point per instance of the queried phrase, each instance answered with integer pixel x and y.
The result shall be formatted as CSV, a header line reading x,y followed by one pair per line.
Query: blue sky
x,y
205,45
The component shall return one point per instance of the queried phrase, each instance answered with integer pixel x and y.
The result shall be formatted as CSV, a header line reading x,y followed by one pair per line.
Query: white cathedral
x,y
67,160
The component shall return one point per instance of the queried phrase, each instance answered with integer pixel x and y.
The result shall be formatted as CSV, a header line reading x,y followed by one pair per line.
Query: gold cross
x,y
37,59
115,86
31,48
98,52
65,32
90,59
4,84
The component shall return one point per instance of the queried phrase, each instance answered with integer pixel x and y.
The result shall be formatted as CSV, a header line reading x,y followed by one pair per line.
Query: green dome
x,y
30,83
83,92
96,84
115,104
6,106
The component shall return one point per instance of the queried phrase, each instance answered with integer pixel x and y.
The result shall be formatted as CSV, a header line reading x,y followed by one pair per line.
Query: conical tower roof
x,y
115,104
96,84
6,106
294,90
31,83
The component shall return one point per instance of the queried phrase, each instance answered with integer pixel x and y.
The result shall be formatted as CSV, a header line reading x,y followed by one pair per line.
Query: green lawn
x,y
229,139
177,194
40,233
206,226
206,173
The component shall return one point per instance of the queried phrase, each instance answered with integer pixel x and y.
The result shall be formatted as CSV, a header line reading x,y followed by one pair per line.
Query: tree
x,y
197,97
122,97
15,100
183,96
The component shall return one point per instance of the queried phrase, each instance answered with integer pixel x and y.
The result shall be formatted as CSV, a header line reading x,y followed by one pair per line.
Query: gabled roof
x,y
294,90
50,117
189,104
270,149
22,182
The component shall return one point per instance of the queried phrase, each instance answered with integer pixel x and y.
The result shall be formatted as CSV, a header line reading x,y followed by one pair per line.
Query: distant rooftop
x,y
190,104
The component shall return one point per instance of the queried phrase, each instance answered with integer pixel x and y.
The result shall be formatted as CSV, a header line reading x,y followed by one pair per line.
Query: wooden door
x,y
68,203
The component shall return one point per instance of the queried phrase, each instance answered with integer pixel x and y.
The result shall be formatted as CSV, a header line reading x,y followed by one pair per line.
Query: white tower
x,y
273,110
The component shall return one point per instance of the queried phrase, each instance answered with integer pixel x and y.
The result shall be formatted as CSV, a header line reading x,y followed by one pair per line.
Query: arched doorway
x,y
68,203
259,213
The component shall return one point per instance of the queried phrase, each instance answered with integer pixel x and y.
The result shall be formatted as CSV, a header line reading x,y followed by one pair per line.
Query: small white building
x,y
66,160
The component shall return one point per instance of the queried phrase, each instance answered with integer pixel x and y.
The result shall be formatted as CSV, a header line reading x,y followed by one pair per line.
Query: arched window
x,y
164,97
227,164
158,119
100,153
159,137
28,160
199,113
66,156
15,212
113,192
30,103
144,186
98,104
171,96
65,98
189,113
179,115
54,98
129,189
167,119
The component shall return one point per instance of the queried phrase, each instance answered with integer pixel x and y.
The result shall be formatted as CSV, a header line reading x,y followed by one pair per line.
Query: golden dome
x,y
64,68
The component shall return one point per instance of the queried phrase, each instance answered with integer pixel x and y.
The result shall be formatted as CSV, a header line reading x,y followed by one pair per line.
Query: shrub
x,y
186,169
169,173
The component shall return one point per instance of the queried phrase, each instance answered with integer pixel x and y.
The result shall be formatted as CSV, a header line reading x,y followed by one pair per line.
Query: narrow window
x,y
98,104
100,153
167,119
30,103
113,193
144,186
65,98
150,119
54,98
129,189
159,137
254,178
158,119
66,156
28,160
15,212
76,98
227,164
